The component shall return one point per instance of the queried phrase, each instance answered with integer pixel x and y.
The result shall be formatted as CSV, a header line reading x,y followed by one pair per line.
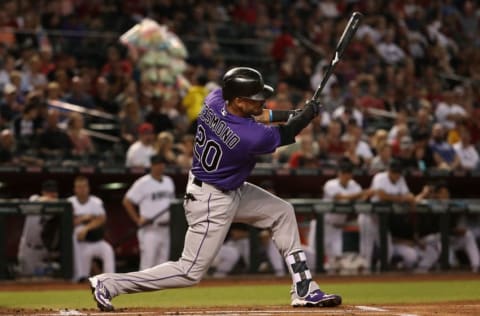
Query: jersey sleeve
x,y
329,191
135,193
99,209
267,139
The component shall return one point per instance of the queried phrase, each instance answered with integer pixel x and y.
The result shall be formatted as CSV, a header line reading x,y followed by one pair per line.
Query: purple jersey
x,y
226,144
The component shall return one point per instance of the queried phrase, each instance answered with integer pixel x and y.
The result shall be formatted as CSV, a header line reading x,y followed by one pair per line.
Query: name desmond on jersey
x,y
219,127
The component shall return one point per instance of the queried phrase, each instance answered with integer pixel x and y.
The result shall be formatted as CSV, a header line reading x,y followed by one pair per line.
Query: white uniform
x,y
85,251
333,234
31,250
153,196
368,223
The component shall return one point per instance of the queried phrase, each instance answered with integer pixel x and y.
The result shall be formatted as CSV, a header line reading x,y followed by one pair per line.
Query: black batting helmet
x,y
245,82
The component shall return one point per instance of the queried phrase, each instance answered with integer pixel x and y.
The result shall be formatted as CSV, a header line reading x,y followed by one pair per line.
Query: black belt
x,y
199,183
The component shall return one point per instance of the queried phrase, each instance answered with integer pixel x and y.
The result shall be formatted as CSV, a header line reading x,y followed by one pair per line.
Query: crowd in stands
x,y
407,87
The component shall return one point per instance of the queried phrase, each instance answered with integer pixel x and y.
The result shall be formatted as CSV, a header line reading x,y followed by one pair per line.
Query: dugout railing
x,y
317,208
61,208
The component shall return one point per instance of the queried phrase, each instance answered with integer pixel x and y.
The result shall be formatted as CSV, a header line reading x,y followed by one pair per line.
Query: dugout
x,y
111,183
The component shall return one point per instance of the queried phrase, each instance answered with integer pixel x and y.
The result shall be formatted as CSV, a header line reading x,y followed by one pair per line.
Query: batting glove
x,y
315,105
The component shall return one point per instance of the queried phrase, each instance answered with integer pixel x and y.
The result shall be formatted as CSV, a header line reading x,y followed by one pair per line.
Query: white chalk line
x,y
356,309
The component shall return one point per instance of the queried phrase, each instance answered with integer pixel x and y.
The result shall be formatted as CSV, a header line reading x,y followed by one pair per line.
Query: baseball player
x,y
389,186
32,251
88,221
227,143
152,194
340,189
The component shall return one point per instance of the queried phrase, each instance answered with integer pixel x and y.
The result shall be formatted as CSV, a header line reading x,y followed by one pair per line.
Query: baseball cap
x,y
50,186
396,166
345,165
145,128
158,159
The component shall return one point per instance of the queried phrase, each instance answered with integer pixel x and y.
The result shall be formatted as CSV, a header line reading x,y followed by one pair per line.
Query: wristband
x,y
270,115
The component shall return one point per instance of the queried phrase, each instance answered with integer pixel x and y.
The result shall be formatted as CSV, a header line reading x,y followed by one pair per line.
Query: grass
x,y
249,295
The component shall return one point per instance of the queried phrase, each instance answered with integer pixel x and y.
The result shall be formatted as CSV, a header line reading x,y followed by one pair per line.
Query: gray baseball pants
x,y
209,215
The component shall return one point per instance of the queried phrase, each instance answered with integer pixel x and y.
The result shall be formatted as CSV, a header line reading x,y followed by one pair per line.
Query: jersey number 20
x,y
211,154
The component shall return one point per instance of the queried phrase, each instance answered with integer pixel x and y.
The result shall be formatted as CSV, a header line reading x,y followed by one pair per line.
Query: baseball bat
x,y
347,35
133,231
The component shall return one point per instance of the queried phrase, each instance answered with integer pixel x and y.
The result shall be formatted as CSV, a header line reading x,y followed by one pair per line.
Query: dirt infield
x,y
442,308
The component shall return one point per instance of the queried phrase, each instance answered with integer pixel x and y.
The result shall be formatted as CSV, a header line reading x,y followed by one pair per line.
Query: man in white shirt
x,y
88,243
340,189
466,152
139,153
152,195
389,186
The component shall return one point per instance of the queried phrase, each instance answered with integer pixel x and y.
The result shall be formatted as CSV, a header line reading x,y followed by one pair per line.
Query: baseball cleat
x,y
317,299
101,295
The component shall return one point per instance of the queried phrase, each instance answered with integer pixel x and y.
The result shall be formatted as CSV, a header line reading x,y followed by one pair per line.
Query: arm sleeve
x,y
134,194
296,124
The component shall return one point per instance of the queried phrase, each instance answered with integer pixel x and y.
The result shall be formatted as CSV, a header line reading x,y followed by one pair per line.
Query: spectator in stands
x,y
54,92
53,143
78,95
34,252
406,154
7,147
160,121
448,113
33,77
10,107
382,160
26,126
362,148
371,99
281,45
378,139
147,203
388,50
103,99
82,143
193,100
422,125
466,152
139,153
334,98
89,219
444,155
185,148
348,110
164,145
306,155
330,143
115,61
130,120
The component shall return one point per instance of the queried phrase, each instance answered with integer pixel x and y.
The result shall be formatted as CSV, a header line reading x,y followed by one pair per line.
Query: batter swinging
x,y
227,142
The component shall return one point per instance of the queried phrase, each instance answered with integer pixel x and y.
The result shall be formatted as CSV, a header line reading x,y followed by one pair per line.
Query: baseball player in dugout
x,y
89,218
147,202
35,247
227,143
